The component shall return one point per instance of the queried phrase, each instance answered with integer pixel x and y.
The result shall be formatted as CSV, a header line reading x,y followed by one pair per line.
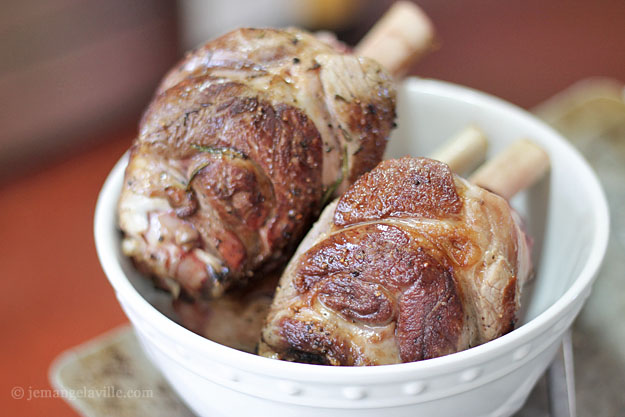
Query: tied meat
x,y
412,263
242,145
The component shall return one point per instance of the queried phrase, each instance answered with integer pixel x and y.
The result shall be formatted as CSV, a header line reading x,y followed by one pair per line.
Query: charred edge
x,y
296,355
509,305
310,341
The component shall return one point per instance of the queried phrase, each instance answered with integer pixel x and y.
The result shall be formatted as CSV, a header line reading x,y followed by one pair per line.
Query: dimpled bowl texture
x,y
565,213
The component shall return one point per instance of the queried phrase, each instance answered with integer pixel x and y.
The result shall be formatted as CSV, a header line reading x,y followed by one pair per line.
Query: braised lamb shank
x,y
412,262
243,143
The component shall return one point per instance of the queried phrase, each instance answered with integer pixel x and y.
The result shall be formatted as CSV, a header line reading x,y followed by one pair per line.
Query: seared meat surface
x,y
242,145
412,263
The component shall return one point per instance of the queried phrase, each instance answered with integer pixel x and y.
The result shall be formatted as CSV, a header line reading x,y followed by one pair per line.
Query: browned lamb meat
x,y
412,263
244,142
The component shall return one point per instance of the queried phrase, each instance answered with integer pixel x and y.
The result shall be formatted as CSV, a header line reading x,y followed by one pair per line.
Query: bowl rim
x,y
105,237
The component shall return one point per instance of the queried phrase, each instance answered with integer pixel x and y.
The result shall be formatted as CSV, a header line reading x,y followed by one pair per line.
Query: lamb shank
x,y
411,263
244,142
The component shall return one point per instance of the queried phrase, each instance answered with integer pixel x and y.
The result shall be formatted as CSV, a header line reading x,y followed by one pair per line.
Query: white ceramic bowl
x,y
566,214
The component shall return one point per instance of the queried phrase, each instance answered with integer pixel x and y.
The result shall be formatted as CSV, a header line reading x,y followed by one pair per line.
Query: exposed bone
x,y
515,168
463,152
512,170
470,140
399,38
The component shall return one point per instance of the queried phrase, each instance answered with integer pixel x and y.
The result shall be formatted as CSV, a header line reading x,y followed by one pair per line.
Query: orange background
x,y
54,293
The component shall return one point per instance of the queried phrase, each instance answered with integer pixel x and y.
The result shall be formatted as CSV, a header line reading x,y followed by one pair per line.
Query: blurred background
x,y
71,70
75,76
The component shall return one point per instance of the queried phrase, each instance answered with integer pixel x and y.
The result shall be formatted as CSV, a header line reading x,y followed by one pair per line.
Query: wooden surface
x,y
115,359
55,294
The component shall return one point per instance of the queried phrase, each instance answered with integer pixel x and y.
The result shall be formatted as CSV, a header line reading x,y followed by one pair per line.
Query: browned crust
x,y
406,187
251,164
245,48
309,342
509,306
402,287
374,121
370,123
431,315
230,126
357,300
241,194
374,274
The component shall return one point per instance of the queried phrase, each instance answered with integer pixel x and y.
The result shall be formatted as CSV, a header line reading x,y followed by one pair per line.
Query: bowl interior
x,y
565,213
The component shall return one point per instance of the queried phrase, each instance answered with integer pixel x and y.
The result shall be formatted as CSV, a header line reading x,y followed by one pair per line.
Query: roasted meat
x,y
242,145
412,263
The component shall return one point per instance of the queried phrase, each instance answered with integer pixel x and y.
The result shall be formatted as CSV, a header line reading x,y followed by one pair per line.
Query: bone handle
x,y
399,38
517,167
463,152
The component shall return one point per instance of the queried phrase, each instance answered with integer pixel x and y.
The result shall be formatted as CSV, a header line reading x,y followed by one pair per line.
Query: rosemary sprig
x,y
220,151
194,173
